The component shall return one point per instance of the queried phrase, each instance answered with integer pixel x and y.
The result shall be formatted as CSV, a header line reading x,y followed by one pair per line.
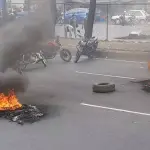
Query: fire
x,y
9,102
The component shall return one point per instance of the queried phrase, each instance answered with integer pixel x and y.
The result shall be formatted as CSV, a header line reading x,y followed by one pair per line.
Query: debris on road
x,y
104,88
25,114
145,84
13,110
146,87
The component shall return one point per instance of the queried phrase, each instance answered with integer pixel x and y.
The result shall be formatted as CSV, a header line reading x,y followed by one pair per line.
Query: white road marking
x,y
118,60
115,109
126,61
105,75
142,67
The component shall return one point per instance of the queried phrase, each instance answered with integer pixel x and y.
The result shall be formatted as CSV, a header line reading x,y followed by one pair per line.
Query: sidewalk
x,y
124,50
116,45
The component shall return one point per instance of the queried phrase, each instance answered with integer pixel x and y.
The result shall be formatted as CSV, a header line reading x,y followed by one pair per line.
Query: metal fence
x,y
107,25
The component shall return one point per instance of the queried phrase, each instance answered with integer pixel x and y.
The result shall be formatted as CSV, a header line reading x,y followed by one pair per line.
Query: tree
x,y
90,20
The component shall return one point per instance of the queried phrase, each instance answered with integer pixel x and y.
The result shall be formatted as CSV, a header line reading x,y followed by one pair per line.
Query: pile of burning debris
x,y
145,84
11,109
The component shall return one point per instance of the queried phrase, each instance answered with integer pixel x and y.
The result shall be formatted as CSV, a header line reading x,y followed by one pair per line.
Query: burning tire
x,y
103,88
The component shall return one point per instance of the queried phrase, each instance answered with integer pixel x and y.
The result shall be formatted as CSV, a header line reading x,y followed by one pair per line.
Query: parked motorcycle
x,y
86,47
55,47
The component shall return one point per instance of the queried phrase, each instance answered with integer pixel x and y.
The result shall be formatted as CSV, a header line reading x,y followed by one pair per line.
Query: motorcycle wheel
x,y
65,55
77,57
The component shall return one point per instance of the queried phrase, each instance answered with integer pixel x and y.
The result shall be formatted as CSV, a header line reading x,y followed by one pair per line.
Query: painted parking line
x,y
105,75
117,60
126,61
115,109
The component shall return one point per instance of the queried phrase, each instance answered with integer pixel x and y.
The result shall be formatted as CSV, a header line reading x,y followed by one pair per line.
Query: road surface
x,y
79,119
100,30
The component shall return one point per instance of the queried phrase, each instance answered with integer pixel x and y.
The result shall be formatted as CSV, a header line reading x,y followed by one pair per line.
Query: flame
x,y
9,102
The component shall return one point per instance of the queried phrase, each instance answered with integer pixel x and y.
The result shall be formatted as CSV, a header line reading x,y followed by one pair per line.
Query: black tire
x,y
65,55
103,88
78,55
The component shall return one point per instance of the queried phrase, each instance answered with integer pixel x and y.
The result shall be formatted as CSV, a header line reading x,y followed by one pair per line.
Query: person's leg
x,y
70,33
65,33
75,34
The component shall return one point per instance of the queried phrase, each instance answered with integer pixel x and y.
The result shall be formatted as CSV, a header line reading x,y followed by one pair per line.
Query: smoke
x,y
13,81
20,36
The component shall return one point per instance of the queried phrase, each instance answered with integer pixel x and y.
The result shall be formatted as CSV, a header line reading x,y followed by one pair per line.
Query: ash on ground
x,y
25,114
145,84
146,87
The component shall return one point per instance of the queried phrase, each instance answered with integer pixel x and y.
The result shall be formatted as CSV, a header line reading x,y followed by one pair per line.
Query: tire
x,y
78,55
103,88
65,55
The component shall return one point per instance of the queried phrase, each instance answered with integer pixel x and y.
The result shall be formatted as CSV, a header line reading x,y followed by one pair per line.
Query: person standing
x,y
123,18
68,29
73,23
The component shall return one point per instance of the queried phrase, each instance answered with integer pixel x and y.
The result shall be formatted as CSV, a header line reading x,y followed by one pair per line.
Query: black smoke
x,y
19,37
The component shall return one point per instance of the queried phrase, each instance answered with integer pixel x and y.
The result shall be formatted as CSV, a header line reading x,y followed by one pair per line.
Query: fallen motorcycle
x,y
86,47
53,48
29,58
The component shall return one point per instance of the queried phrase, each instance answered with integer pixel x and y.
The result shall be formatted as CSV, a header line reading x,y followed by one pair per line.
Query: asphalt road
x,y
100,30
78,118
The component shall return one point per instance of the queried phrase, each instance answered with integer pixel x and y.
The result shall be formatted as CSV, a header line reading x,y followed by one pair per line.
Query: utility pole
x,y
90,20
52,17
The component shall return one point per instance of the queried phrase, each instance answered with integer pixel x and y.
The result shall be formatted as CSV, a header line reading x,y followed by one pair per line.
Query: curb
x,y
120,54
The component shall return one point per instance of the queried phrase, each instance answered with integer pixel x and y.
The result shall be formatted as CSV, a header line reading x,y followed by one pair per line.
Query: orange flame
x,y
9,102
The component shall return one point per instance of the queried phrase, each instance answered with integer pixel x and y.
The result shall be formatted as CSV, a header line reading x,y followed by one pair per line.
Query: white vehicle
x,y
140,15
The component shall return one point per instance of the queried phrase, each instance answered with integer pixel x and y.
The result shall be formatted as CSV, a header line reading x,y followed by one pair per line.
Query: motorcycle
x,y
29,58
56,47
86,47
